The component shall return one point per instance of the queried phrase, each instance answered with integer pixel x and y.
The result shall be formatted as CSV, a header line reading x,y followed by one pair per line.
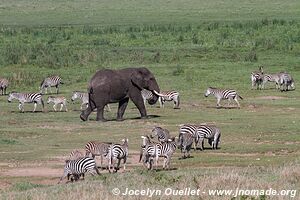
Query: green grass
x,y
188,46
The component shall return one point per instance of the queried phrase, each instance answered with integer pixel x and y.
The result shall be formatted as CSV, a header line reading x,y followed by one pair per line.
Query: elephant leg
x,y
139,103
121,109
84,115
100,111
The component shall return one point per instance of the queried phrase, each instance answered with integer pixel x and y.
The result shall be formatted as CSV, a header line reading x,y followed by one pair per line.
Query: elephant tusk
x,y
158,94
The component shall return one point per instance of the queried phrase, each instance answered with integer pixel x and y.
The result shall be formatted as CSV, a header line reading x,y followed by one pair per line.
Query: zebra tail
x,y
141,155
240,97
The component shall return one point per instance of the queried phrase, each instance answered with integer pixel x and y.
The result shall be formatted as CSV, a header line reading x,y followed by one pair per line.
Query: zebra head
x,y
155,131
208,92
145,140
11,96
74,96
50,99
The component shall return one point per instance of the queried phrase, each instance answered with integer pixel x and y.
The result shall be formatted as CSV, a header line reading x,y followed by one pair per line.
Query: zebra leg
x,y
54,107
218,103
229,102
61,106
236,100
66,107
21,107
35,104
177,102
124,161
160,102
57,89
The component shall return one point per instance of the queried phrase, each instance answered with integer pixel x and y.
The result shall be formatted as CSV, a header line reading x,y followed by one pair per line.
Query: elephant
x,y
118,86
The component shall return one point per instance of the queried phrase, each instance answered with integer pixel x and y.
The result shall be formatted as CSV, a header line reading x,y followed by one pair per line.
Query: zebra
x,y
58,100
190,129
171,95
286,82
211,133
117,151
184,143
74,155
257,78
96,148
84,97
157,150
223,94
52,81
162,134
271,78
35,98
3,85
146,95
148,151
79,167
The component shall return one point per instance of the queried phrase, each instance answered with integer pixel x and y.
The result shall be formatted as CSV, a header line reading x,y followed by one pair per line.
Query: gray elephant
x,y
112,86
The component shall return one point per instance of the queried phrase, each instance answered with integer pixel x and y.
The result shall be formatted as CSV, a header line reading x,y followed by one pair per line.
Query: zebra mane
x,y
212,87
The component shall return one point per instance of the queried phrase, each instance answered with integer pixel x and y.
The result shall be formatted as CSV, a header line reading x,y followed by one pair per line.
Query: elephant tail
x,y
92,103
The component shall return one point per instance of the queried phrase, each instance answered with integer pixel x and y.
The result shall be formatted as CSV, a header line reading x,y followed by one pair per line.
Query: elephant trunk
x,y
155,97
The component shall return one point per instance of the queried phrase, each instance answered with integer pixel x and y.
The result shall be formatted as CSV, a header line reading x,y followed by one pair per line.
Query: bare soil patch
x,y
271,97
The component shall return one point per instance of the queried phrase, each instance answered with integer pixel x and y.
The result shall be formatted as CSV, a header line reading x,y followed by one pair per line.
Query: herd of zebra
x,y
283,80
78,163
56,81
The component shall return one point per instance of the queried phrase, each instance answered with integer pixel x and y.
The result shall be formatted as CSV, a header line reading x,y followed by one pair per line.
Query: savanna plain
x,y
189,46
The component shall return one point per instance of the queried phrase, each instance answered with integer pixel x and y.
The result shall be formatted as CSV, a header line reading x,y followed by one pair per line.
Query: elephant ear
x,y
137,79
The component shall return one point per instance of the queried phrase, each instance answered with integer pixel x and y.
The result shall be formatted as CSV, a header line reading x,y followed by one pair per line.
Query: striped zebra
x,y
119,152
189,129
96,148
35,98
148,151
223,94
169,96
185,142
154,151
58,100
52,81
211,133
271,78
79,167
286,82
146,94
84,97
257,78
75,155
162,134
3,85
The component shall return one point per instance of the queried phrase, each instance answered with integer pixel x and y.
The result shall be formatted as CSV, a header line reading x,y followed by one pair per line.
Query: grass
x,y
188,46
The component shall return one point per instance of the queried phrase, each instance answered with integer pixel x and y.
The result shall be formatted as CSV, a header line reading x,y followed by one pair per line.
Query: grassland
x,y
188,45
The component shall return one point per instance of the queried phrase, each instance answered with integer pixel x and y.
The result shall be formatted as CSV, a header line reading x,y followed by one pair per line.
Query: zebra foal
x,y
223,94
35,98
96,148
162,134
3,85
84,98
58,100
51,81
